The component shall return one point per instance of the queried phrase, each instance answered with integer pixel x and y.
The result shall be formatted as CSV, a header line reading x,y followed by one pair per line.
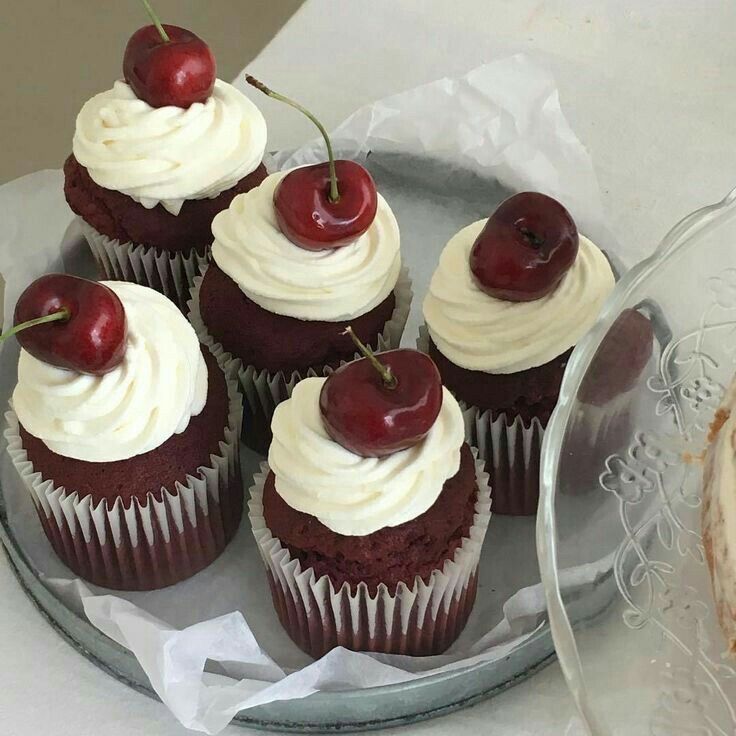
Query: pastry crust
x,y
719,499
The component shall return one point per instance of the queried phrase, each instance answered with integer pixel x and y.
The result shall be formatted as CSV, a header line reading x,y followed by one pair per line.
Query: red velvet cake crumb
x,y
528,394
390,555
121,218
137,476
274,342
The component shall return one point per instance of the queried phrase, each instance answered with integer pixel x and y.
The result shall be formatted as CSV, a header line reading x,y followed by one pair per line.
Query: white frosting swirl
x,y
479,332
133,409
329,285
169,154
350,494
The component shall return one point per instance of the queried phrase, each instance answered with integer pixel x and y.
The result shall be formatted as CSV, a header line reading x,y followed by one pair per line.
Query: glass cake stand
x,y
621,491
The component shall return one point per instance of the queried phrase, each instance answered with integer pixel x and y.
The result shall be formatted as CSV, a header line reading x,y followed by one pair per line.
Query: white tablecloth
x,y
648,88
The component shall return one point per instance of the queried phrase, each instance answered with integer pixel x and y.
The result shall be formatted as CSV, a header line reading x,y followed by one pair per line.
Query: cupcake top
x,y
167,155
328,285
479,332
152,394
350,494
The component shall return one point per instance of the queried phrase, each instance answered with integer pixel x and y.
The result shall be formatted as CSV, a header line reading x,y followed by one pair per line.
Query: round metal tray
x,y
431,204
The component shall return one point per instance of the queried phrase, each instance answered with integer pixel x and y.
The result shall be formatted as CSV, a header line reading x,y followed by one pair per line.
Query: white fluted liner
x,y
422,619
511,451
264,391
154,542
172,273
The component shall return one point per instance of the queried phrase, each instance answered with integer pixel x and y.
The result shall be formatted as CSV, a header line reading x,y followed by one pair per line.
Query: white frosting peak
x,y
350,494
479,332
329,285
169,154
133,409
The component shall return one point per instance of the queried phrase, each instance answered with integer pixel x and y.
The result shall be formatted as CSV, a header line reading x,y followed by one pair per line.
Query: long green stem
x,y
154,19
59,316
334,191
389,379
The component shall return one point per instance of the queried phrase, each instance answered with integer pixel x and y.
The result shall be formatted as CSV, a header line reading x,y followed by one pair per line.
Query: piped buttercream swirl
x,y
479,332
169,154
350,494
328,285
160,384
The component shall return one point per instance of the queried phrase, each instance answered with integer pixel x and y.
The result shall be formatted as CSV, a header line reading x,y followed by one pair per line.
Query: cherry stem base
x,y
389,379
156,22
334,194
60,316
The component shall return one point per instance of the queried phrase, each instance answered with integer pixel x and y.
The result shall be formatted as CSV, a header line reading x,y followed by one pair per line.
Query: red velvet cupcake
x,y
370,553
134,472
279,310
503,352
147,179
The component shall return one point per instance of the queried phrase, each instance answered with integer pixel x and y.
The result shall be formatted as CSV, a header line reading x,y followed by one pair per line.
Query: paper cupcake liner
x,y
510,448
264,391
171,273
155,542
610,427
511,452
420,620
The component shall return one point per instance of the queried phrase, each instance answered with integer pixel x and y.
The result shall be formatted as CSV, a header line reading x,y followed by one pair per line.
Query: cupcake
x,y
125,433
510,298
605,394
290,270
157,156
719,486
371,530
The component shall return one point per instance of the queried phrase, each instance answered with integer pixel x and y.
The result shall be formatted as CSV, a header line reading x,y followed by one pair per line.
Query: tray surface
x,y
431,204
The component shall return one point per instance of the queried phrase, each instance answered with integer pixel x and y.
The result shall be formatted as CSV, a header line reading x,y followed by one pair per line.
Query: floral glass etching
x,y
628,498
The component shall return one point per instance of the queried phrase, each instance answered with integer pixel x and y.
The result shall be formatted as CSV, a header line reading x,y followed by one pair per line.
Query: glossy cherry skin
x,y
91,341
526,247
310,220
177,72
364,416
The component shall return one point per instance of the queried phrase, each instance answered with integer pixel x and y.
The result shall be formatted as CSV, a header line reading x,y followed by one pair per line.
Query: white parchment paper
x,y
502,121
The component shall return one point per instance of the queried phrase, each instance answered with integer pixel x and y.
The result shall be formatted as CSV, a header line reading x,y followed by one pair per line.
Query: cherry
x,y
71,323
308,217
327,205
375,408
620,359
525,248
168,65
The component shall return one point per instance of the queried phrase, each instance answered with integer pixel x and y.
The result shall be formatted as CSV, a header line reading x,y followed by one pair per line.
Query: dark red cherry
x,y
376,412
178,72
308,217
322,206
620,359
71,323
526,247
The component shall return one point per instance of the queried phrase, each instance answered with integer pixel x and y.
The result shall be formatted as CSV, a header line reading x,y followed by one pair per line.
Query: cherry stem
x,y
154,18
334,192
63,315
389,379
